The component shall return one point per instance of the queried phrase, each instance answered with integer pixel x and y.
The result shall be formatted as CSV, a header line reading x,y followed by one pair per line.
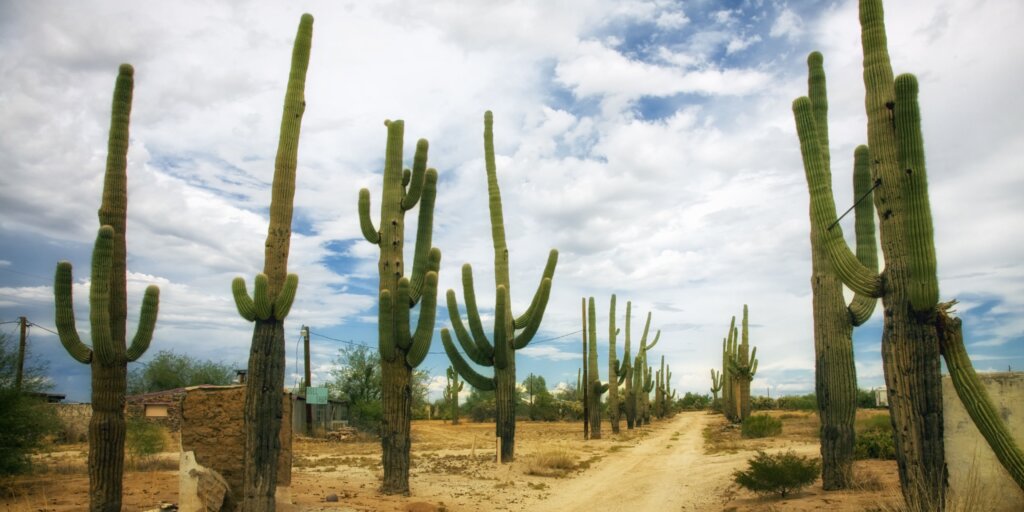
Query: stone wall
x,y
135,407
74,420
212,427
973,468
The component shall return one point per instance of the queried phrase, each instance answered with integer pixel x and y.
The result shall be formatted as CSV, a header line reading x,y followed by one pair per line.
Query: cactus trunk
x,y
630,394
613,371
596,389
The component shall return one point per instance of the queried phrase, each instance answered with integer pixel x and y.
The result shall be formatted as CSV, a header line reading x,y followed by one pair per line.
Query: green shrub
x,y
777,474
143,439
875,439
366,416
761,425
25,421
807,402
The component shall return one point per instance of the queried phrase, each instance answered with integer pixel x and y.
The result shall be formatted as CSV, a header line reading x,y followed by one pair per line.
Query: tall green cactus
x,y
616,369
108,304
401,350
834,320
451,392
645,395
913,328
729,383
716,386
641,377
273,294
501,353
742,369
595,389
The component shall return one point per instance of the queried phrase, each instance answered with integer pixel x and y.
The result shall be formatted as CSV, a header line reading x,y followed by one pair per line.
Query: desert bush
x,y
762,403
875,439
779,474
366,416
144,438
25,421
807,402
761,425
551,463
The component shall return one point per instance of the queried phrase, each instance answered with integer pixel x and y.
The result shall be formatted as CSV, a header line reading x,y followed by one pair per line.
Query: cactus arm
x,y
974,397
852,272
549,273
599,388
261,297
862,306
425,258
469,374
494,205
64,315
245,305
419,167
522,339
284,300
371,233
147,322
463,336
425,325
501,350
472,313
621,377
403,337
99,297
657,336
924,287
385,319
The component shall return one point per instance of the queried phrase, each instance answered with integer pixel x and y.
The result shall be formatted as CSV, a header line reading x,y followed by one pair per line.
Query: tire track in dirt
x,y
668,470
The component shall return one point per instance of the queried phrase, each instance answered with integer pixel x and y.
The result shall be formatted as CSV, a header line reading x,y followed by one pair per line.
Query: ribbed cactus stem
x,y
596,387
613,370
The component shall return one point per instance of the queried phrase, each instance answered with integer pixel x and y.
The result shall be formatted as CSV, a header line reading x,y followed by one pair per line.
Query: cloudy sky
x,y
650,141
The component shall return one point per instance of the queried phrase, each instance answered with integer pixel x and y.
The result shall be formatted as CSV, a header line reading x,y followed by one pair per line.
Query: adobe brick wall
x,y
135,406
968,455
212,427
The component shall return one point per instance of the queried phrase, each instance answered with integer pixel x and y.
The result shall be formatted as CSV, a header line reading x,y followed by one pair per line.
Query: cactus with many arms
x,y
639,375
501,353
400,349
616,370
273,294
742,368
595,389
916,331
108,304
834,320
451,392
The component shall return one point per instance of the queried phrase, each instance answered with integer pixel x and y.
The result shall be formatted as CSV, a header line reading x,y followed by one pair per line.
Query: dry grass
x,y
556,463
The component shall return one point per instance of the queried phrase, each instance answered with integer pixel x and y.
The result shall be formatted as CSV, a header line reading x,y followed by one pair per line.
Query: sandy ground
x,y
664,467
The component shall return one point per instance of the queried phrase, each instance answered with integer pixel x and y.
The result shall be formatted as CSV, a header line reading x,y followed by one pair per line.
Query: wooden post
x,y
23,324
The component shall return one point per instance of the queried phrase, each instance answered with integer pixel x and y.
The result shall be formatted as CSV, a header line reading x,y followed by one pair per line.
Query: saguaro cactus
x,y
616,370
835,374
641,375
451,392
401,350
729,391
273,293
912,330
742,369
594,387
716,386
501,353
108,305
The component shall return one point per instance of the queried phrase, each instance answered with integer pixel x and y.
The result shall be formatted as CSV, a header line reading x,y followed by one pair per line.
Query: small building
x,y
326,417
881,397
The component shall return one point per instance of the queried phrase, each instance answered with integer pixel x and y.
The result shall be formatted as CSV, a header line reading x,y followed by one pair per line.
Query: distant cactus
x,y
400,349
640,373
594,386
273,293
451,393
501,353
616,370
742,369
716,386
108,305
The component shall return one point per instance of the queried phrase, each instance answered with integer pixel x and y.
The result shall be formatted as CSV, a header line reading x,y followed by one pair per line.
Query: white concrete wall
x,y
973,467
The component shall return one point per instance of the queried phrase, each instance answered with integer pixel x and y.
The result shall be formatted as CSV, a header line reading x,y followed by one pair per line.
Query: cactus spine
x,y
273,293
501,353
616,370
401,350
835,373
451,392
908,287
108,305
595,388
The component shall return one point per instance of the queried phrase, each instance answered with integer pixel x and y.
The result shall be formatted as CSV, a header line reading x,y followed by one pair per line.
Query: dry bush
x,y
558,462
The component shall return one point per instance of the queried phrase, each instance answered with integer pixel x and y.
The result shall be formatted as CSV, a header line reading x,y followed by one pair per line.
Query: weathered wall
x,y
172,398
75,421
212,427
970,460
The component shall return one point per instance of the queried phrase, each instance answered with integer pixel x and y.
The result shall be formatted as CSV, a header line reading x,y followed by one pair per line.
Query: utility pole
x,y
586,381
309,408
23,324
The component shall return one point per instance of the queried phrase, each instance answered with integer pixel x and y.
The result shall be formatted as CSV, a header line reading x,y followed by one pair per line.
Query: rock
x,y
200,489
332,498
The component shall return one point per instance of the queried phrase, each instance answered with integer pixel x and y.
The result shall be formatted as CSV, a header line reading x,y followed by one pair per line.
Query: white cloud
x,y
788,24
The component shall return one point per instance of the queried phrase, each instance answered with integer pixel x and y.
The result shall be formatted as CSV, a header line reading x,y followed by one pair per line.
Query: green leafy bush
x,y
779,474
875,439
143,439
807,402
761,425
25,421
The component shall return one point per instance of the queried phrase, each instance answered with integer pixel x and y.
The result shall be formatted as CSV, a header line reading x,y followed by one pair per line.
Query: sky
x,y
650,141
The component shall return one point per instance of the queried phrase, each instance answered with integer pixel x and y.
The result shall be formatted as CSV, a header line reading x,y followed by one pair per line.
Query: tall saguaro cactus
x,y
913,329
641,375
834,320
594,387
729,392
501,353
451,392
401,350
716,386
742,369
616,369
273,294
108,303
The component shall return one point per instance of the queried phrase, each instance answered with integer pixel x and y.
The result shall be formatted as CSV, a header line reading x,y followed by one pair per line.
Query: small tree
x,y
168,370
24,421
779,474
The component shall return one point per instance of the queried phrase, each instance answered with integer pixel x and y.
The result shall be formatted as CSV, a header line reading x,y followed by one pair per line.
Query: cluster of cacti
x,y
638,394
402,350
273,294
664,395
914,329
739,365
834,320
108,305
451,393
501,353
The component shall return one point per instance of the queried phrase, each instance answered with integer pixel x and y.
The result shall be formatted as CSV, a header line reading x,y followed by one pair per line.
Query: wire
x,y
10,322
33,324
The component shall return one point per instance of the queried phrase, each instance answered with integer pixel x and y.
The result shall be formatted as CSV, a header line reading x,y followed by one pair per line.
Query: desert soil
x,y
683,464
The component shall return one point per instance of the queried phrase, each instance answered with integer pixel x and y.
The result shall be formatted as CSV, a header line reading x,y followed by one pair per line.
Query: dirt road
x,y
667,470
